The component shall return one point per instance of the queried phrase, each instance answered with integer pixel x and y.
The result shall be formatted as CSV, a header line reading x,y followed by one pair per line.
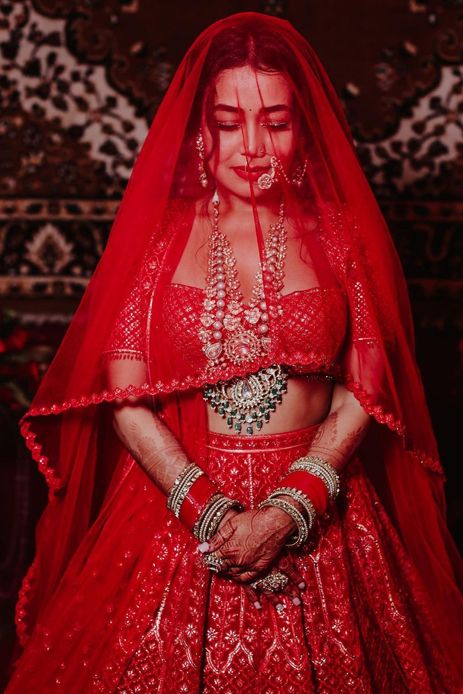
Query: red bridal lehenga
x,y
118,599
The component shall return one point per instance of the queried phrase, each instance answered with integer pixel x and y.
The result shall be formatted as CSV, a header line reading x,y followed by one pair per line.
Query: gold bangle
x,y
321,468
207,524
181,486
300,497
296,515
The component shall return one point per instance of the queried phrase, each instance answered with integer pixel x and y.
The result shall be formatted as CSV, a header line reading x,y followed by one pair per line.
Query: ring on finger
x,y
274,582
214,562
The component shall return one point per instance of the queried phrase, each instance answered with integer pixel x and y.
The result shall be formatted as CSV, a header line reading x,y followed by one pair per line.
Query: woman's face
x,y
252,113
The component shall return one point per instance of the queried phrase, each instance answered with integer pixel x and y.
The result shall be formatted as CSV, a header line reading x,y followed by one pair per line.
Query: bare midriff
x,y
305,403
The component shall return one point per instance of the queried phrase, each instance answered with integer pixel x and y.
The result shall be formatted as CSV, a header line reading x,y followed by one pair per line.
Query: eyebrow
x,y
267,109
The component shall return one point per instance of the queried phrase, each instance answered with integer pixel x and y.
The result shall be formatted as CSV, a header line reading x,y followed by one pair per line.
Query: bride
x,y
245,491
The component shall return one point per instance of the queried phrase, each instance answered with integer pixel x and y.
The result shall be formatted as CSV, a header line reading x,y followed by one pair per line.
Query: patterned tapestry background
x,y
80,81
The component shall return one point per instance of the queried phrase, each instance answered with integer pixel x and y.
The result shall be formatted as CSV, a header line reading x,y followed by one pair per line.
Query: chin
x,y
244,191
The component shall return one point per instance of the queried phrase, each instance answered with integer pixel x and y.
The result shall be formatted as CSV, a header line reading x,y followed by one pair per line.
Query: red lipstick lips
x,y
251,173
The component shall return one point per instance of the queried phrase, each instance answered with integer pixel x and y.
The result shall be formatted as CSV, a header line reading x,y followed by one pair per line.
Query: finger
x,y
253,596
276,600
293,592
235,570
293,589
221,537
287,565
246,576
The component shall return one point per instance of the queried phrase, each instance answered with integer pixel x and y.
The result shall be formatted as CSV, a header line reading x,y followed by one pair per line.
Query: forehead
x,y
246,87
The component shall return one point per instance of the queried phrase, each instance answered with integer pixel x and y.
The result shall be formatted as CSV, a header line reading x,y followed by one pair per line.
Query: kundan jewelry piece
x,y
249,400
274,582
267,180
234,333
213,562
201,170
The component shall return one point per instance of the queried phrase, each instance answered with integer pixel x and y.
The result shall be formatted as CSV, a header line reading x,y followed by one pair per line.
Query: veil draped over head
x,y
344,241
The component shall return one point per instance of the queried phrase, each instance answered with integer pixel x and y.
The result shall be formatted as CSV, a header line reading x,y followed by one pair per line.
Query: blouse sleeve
x,y
129,334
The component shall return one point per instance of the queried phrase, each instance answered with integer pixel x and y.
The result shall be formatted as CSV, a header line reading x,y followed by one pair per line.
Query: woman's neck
x,y
233,206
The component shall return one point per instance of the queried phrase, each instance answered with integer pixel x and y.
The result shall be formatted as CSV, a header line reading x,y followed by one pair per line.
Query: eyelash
x,y
234,126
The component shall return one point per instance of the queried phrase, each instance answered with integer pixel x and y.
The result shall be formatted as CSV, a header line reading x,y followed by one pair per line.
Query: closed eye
x,y
281,125
228,126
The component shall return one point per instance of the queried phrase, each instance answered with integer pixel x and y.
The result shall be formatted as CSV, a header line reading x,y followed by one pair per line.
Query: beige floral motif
x,y
231,322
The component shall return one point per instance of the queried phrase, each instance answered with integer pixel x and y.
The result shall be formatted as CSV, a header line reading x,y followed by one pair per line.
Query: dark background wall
x,y
80,81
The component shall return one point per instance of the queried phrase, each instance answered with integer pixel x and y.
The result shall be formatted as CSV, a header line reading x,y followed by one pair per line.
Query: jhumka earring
x,y
201,170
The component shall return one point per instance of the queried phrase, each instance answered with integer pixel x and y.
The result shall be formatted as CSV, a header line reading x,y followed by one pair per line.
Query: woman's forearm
x,y
151,443
339,435
154,447
145,436
335,441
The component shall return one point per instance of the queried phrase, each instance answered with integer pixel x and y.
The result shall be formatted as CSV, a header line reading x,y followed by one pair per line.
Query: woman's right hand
x,y
285,563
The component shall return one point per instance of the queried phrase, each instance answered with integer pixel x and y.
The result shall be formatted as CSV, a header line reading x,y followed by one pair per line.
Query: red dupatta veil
x,y
68,428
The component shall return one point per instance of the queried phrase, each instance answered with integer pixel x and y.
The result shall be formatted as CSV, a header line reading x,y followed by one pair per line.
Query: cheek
x,y
228,146
285,145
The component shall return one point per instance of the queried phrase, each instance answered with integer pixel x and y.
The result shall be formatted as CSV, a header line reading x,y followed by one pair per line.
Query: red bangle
x,y
311,485
196,500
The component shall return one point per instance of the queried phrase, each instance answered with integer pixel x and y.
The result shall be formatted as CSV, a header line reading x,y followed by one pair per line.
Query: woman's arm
x,y
146,437
341,432
251,541
338,436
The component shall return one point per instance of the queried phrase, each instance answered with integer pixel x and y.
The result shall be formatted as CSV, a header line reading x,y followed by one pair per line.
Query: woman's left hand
x,y
250,541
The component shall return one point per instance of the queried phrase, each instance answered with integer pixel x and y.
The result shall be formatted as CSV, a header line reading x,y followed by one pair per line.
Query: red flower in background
x,y
23,359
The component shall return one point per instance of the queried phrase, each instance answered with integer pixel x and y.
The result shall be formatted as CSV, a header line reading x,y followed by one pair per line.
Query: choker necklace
x,y
233,333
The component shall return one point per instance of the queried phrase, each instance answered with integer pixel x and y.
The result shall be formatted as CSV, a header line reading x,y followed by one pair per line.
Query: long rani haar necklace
x,y
234,333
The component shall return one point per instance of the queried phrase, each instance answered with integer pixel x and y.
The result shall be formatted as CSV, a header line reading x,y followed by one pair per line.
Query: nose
x,y
253,141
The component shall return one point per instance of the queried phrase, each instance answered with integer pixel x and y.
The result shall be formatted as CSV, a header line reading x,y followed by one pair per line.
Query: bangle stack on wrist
x,y
197,502
311,482
301,522
181,486
208,522
319,467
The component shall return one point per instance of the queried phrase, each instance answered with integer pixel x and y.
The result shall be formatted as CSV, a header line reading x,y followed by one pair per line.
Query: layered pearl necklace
x,y
234,334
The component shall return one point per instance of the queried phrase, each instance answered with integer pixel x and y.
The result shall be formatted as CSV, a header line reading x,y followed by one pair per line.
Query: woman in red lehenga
x,y
244,345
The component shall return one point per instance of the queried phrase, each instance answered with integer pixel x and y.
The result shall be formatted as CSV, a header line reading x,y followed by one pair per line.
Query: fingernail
x,y
257,605
301,585
296,600
203,547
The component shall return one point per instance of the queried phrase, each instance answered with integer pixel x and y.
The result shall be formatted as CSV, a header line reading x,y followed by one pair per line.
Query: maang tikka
x,y
201,154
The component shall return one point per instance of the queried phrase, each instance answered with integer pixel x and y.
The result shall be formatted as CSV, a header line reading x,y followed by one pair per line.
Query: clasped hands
x,y
251,543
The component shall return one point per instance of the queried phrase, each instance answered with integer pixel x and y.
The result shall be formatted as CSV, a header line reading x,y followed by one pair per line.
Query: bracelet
x,y
197,500
209,520
181,486
310,485
296,515
300,497
320,468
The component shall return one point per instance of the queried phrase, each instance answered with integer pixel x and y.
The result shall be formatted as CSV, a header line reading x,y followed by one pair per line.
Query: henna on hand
x,y
250,541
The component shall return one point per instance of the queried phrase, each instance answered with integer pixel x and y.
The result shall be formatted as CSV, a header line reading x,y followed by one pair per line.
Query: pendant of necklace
x,y
248,400
233,333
